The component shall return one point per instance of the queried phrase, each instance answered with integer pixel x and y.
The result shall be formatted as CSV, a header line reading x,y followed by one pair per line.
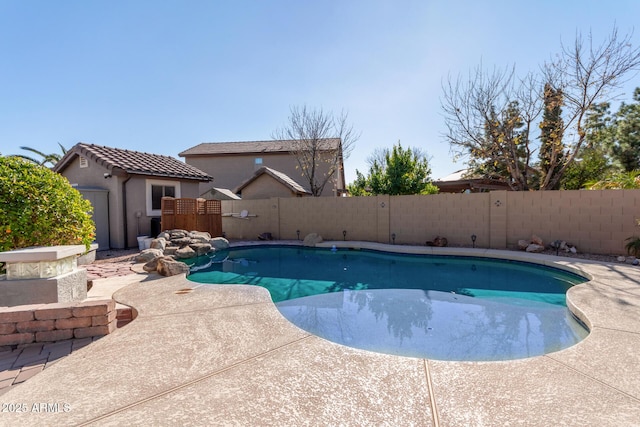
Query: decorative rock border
x,y
171,246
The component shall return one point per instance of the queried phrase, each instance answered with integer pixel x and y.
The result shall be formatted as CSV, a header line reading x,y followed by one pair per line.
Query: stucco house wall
x,y
264,187
130,211
230,170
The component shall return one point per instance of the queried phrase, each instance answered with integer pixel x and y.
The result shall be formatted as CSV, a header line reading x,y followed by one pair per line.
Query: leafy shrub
x,y
40,208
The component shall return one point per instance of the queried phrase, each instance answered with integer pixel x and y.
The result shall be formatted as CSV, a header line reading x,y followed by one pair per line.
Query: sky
x,y
164,76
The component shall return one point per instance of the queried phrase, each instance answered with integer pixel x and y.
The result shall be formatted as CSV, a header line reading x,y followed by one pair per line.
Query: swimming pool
x,y
438,307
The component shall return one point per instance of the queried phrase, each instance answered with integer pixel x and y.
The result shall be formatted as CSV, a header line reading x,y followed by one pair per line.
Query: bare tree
x,y
320,142
588,74
493,117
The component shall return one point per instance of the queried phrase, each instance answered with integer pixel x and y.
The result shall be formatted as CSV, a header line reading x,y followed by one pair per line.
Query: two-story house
x,y
261,169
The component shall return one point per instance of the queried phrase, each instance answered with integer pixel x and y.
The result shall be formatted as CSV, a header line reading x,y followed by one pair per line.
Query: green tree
x,y
551,131
40,208
45,159
620,180
593,162
626,148
395,172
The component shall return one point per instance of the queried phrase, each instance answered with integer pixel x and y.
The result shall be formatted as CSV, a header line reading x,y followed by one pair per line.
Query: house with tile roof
x,y
267,182
125,188
233,164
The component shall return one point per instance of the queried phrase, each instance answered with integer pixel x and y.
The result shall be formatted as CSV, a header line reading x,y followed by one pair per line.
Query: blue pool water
x,y
447,308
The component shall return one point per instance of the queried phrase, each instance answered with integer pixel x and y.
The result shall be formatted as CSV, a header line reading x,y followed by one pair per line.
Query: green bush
x,y
40,208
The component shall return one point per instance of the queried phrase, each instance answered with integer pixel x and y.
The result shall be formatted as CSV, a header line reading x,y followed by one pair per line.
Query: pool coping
x,y
224,355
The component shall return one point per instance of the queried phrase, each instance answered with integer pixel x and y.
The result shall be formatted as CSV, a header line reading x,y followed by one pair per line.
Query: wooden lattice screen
x,y
192,215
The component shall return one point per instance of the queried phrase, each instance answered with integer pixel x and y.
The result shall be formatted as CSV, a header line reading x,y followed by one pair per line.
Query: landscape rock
x,y
164,235
159,243
218,243
168,266
621,259
177,234
148,255
182,241
200,236
151,266
185,253
536,240
199,248
312,239
170,250
573,250
534,248
440,242
523,244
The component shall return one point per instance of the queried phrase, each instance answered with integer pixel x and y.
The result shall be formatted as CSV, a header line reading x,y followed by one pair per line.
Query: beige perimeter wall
x,y
594,221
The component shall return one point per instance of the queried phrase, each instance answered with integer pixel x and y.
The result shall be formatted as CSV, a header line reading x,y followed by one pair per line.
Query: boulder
x,y
168,266
440,242
185,252
151,266
159,243
573,250
148,255
182,241
621,259
170,250
218,243
200,236
536,240
312,239
164,235
200,248
523,244
535,248
178,234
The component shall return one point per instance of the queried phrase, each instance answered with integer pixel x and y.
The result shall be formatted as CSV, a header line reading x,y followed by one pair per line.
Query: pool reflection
x,y
435,325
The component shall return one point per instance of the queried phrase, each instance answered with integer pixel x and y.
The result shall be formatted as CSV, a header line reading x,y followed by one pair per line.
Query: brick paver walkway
x,y
20,364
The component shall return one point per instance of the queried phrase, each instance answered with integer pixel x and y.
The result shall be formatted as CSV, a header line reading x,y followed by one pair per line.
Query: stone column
x,y
42,275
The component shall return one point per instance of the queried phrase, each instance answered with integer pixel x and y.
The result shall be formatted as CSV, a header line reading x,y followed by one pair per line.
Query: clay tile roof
x,y
133,162
279,176
249,147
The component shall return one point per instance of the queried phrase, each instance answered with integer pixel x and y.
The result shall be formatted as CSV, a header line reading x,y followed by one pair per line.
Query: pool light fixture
x,y
473,240
344,234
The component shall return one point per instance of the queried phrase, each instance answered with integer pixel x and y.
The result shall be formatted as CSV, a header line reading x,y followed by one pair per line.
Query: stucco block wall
x,y
594,221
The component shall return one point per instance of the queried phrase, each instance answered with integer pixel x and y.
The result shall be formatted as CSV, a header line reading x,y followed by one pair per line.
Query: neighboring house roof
x,y
278,176
251,147
133,162
221,193
460,181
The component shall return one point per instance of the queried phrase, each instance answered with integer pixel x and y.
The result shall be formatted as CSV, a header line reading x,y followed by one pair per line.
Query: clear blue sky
x,y
163,76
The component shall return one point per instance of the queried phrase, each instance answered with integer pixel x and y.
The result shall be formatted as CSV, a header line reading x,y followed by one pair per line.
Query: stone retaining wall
x,y
55,322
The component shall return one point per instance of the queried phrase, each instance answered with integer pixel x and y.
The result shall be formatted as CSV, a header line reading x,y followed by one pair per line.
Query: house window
x,y
258,160
156,190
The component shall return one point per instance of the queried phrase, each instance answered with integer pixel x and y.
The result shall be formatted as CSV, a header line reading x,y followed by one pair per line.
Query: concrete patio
x,y
223,355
